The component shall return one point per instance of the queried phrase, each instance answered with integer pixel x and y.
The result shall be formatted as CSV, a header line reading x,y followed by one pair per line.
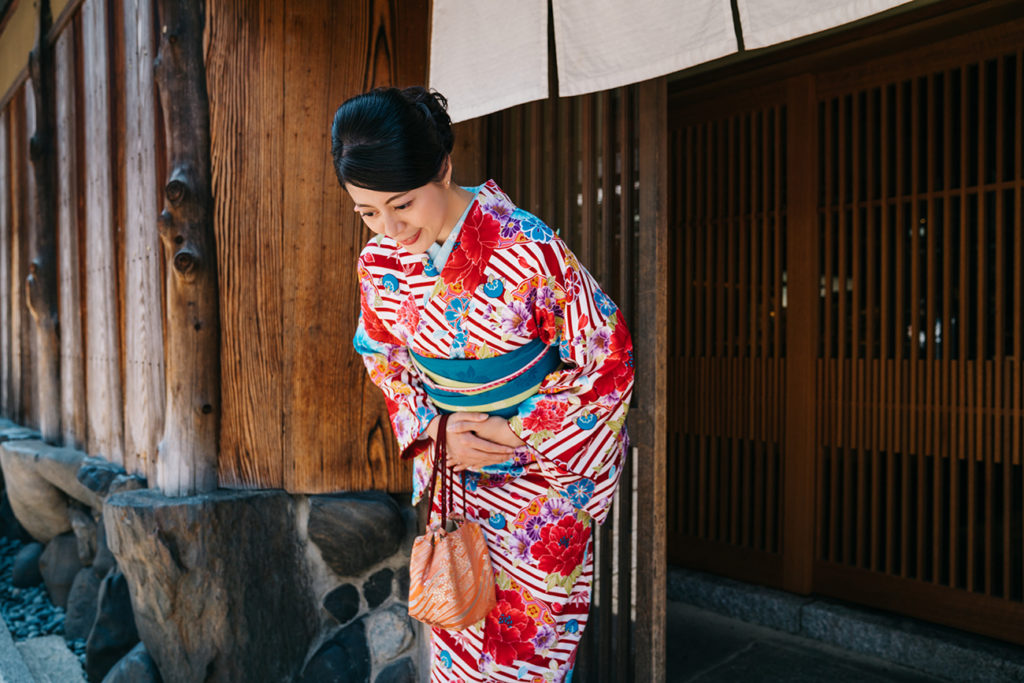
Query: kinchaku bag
x,y
451,583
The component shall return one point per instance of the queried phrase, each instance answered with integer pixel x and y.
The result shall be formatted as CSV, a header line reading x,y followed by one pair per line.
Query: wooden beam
x,y
650,395
187,462
41,283
72,360
143,324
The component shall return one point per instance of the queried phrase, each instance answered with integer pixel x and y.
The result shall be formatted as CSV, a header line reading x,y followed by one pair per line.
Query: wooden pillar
x,y
801,336
143,318
103,368
72,360
41,283
650,339
6,409
187,462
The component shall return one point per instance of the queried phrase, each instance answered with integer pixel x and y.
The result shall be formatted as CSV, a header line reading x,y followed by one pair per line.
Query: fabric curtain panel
x,y
488,55
602,44
767,22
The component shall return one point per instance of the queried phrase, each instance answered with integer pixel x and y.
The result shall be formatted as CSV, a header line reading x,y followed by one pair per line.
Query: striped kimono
x,y
503,281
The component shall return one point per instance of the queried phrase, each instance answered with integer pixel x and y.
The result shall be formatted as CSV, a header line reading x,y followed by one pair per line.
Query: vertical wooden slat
x,y
915,432
651,389
103,384
29,228
768,142
886,323
144,353
251,339
1001,400
1018,265
72,370
869,512
842,389
975,454
623,663
855,452
801,341
901,370
962,352
585,241
15,155
948,453
829,138
929,402
6,407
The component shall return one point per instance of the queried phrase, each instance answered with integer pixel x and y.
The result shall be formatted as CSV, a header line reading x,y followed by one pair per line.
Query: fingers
x,y
464,422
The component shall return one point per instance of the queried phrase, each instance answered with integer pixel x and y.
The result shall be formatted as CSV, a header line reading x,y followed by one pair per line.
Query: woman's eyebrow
x,y
390,199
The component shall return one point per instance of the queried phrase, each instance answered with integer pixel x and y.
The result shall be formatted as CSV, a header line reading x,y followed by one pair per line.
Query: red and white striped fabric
x,y
509,279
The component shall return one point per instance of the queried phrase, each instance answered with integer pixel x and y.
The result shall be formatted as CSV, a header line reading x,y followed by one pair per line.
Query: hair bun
x,y
434,107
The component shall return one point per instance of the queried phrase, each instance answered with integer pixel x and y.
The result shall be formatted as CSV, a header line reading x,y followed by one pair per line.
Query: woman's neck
x,y
457,203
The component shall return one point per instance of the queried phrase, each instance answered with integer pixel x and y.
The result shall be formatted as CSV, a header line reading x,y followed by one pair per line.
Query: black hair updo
x,y
390,139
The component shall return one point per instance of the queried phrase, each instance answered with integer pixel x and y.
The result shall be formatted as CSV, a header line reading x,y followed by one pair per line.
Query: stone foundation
x,y
228,586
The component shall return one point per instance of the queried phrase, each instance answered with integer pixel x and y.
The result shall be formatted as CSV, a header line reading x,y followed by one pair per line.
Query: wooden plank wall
x,y
299,410
20,367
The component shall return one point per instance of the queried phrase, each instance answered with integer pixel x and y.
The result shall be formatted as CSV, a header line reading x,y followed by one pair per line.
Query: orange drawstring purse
x,y
451,583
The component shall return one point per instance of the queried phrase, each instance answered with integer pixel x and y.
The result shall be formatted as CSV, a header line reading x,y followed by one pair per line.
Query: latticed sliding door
x,y
910,322
727,334
919,378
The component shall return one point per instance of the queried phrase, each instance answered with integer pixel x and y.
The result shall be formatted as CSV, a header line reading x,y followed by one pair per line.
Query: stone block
x,y
50,661
80,612
355,531
220,588
401,671
59,564
389,633
84,527
343,603
342,659
377,588
25,572
113,633
135,667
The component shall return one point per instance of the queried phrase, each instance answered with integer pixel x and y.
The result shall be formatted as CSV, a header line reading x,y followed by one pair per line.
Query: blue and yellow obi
x,y
496,386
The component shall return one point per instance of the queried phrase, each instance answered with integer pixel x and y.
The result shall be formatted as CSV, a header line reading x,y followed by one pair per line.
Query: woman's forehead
x,y
374,198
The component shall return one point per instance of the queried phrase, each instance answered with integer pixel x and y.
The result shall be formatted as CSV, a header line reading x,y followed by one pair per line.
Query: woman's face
x,y
415,218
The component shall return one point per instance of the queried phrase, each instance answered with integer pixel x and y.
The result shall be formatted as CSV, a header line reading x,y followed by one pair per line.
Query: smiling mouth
x,y
415,236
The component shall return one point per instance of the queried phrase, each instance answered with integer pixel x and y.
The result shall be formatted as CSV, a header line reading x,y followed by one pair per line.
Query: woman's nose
x,y
392,228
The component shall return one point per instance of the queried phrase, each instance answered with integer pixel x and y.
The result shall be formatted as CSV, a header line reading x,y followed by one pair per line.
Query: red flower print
x,y
375,328
409,315
477,239
616,372
508,630
560,548
546,415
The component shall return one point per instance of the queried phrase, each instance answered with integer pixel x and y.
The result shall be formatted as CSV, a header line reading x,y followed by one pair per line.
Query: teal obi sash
x,y
496,385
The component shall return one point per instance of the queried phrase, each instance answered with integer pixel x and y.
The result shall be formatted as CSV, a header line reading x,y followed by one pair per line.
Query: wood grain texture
x,y
649,426
103,374
5,269
41,282
246,148
25,227
72,359
143,325
299,410
187,459
15,305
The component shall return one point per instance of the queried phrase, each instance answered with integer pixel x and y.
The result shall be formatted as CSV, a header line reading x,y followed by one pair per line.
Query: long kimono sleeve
x,y
576,423
390,368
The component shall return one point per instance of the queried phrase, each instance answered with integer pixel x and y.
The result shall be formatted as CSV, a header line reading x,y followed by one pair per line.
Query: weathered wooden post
x,y
187,460
41,283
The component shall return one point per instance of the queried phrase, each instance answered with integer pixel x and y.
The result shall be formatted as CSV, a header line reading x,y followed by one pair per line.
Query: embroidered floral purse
x,y
451,583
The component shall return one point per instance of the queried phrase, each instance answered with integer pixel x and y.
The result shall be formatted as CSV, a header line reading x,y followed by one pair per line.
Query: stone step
x,y
12,666
50,661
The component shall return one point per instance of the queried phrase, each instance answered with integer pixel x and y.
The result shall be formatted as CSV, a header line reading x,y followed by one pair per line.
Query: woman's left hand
x,y
492,429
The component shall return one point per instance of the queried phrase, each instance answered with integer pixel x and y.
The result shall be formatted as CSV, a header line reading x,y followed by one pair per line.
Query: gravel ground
x,y
28,611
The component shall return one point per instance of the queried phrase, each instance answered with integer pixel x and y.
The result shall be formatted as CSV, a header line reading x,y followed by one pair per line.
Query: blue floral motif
x,y
586,421
536,229
604,304
572,626
580,492
497,521
456,311
522,672
429,269
471,480
494,289
459,343
446,658
390,282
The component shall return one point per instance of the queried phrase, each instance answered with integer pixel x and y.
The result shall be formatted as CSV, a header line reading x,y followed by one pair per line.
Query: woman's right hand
x,y
466,450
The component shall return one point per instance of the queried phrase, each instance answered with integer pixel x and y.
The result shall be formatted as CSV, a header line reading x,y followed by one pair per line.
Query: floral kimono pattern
x,y
509,280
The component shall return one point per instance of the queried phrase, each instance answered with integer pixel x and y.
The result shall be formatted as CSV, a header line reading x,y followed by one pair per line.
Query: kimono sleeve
x,y
576,422
390,368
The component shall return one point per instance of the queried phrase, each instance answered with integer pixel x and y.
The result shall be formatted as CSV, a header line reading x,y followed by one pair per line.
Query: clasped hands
x,y
476,440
